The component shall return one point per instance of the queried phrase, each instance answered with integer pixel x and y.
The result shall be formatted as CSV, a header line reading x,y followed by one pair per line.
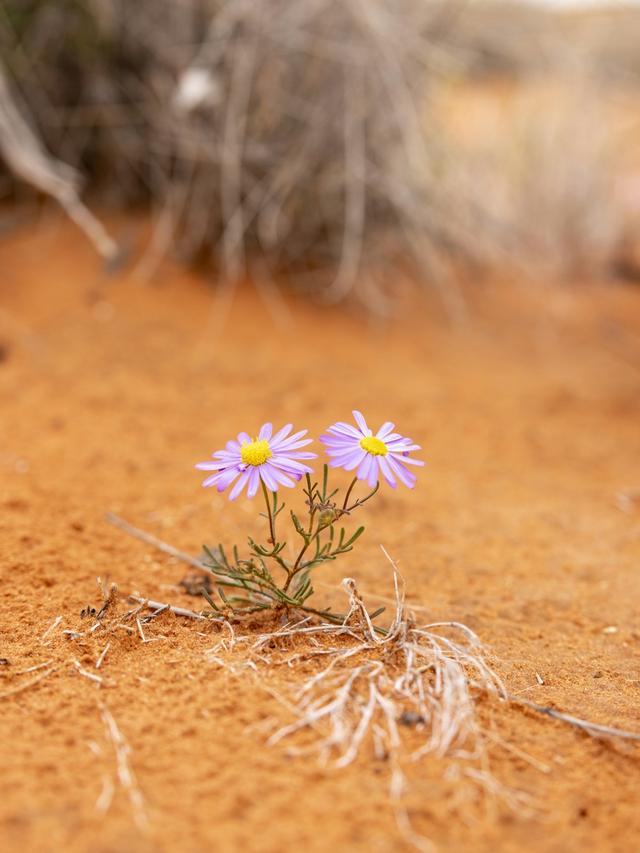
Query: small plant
x,y
246,584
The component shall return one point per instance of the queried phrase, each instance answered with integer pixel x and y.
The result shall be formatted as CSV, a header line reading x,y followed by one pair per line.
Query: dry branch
x,y
12,692
160,607
125,773
26,157
594,729
156,543
103,655
51,628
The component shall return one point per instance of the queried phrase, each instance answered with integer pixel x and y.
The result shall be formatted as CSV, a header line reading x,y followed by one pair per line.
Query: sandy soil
x,y
525,525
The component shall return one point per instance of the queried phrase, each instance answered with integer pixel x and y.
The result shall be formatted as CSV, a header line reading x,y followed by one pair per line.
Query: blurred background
x,y
333,147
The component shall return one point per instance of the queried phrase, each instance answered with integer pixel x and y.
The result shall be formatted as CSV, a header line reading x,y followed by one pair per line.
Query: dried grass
x,y
124,773
302,139
293,135
403,692
423,676
551,175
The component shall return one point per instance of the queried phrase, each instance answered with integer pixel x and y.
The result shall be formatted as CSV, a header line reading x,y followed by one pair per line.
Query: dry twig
x,y
156,543
160,607
27,158
125,773
103,655
12,692
51,628
596,730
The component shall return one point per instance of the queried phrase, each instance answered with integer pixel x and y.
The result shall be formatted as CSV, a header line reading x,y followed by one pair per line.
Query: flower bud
x,y
327,517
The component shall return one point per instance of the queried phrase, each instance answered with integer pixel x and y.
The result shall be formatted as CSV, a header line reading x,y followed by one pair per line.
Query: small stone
x,y
195,582
410,718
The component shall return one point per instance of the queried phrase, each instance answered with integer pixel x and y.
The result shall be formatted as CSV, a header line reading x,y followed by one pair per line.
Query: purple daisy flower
x,y
370,455
272,459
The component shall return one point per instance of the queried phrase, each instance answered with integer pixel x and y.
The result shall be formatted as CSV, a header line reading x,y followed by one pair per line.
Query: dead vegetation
x,y
304,140
400,693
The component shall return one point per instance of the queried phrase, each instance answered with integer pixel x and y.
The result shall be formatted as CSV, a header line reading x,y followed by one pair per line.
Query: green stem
x,y
359,501
296,566
348,495
272,529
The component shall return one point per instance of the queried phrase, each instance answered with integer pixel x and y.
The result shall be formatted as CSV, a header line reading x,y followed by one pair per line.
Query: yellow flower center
x,y
374,446
256,452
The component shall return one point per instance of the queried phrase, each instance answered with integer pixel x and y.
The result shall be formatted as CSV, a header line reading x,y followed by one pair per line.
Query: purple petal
x,y
282,478
287,442
283,433
401,472
374,471
405,445
210,481
386,471
359,419
226,478
288,464
333,464
395,436
286,447
341,428
385,429
239,486
406,460
344,448
267,477
225,454
351,459
340,441
355,459
365,466
254,482
265,431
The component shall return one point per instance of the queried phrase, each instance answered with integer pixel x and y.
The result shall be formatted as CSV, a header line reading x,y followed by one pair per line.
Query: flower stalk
x,y
246,585
268,577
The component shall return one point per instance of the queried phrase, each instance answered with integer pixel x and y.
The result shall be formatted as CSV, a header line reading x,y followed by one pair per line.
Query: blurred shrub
x,y
309,137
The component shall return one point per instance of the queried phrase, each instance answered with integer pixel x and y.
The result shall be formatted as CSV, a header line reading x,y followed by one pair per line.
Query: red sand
x,y
525,525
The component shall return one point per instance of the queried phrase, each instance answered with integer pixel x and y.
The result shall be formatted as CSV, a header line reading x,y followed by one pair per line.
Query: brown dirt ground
x,y
525,525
